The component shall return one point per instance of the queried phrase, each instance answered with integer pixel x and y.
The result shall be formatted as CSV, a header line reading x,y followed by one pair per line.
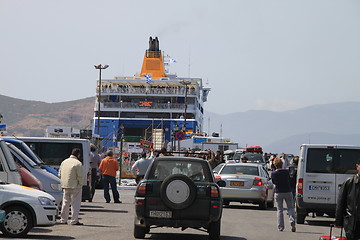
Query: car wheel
x,y
271,204
263,205
300,217
214,230
178,191
18,222
139,232
319,214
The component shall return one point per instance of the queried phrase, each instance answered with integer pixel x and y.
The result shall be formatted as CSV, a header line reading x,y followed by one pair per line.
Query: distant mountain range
x,y
277,132
336,123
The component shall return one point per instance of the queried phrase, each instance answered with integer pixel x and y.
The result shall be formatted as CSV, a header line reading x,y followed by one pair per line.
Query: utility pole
x,y
100,67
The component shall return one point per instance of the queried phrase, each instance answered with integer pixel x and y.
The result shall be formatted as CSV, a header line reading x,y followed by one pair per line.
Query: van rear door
x,y
347,158
319,184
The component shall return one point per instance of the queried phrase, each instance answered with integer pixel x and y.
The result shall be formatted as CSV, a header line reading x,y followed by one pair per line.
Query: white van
x,y
52,151
322,170
50,183
8,167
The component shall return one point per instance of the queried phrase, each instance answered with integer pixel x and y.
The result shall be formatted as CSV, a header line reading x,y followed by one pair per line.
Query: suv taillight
x,y
214,192
141,190
300,185
144,188
257,182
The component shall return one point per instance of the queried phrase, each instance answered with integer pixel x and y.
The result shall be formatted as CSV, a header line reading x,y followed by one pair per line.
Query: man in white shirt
x,y
140,167
71,178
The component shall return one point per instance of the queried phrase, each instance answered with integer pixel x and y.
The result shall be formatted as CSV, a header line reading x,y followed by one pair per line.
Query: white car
x,y
25,208
245,183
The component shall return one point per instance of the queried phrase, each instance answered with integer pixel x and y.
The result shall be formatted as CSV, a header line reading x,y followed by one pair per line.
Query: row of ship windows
x,y
145,115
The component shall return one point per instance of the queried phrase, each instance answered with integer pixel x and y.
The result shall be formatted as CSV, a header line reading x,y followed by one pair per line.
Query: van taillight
x,y
88,179
300,186
257,182
214,192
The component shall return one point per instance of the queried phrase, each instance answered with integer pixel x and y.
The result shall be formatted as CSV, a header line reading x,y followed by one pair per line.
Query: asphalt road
x,y
109,221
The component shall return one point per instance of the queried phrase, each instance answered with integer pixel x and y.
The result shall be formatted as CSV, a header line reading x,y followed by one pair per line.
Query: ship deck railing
x,y
148,90
124,105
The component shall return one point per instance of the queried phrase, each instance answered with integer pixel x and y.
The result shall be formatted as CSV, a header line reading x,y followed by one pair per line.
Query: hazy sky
x,y
255,54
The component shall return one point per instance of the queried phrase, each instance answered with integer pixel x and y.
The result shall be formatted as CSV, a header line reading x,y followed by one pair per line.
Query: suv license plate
x,y
160,214
236,183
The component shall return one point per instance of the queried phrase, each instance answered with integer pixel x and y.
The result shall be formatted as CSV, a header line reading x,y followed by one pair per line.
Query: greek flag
x,y
148,78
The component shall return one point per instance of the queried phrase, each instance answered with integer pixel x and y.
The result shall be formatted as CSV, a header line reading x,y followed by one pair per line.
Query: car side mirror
x,y
221,183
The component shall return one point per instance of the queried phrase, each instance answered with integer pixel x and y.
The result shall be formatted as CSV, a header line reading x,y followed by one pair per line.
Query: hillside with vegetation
x,y
30,118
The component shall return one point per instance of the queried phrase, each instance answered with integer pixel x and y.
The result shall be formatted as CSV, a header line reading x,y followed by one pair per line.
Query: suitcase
x,y
332,237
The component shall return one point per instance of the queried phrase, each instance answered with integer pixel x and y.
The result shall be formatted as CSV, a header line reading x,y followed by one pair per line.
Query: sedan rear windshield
x,y
233,169
195,170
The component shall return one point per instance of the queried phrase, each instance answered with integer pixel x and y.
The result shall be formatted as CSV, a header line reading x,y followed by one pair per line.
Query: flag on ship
x,y
148,78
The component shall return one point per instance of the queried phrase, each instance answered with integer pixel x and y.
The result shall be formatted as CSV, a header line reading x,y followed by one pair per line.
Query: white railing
x,y
190,107
147,90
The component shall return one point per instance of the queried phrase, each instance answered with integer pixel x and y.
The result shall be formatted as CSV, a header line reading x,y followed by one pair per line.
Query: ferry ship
x,y
152,105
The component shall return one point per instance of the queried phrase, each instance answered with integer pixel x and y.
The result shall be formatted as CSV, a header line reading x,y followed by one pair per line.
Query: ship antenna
x,y
189,62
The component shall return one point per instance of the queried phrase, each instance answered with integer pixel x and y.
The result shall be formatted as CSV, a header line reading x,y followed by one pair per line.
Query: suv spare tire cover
x,y
178,191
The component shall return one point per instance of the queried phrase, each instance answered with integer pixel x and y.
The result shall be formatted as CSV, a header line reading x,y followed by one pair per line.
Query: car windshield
x,y
195,170
240,169
253,157
218,167
22,156
237,156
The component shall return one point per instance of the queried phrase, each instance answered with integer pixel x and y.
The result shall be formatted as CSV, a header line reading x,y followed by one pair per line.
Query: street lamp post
x,y
186,83
121,150
100,67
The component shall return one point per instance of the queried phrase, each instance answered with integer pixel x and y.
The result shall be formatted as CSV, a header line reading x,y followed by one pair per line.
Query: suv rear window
x,y
322,160
193,169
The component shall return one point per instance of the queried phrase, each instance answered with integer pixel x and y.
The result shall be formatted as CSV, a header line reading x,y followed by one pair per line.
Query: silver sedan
x,y
245,183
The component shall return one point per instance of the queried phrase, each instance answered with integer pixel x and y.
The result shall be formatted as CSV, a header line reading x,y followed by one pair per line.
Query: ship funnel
x,y
153,63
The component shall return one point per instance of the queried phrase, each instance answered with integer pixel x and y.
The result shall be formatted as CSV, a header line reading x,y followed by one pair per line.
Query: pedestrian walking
x,y
293,175
108,168
281,179
94,163
347,213
140,167
71,178
285,161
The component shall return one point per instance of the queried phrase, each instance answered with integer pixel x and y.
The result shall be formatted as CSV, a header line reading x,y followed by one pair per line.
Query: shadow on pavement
x,y
103,210
250,207
91,206
320,223
40,233
182,236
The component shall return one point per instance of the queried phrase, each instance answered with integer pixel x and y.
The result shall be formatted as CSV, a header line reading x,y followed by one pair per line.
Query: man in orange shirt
x,y
108,168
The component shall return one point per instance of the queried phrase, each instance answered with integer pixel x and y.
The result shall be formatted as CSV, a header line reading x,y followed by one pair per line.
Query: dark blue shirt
x,y
281,179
